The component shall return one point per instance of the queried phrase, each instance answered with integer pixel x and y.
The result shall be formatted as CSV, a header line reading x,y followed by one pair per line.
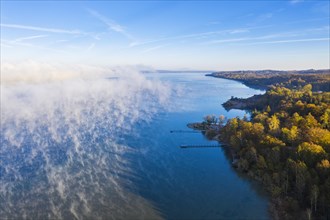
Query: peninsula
x,y
262,79
286,144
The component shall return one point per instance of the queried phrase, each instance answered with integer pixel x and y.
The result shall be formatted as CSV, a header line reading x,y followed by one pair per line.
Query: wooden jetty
x,y
184,131
200,146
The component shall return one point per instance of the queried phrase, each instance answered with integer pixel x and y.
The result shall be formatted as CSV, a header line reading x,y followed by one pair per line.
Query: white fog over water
x,y
59,154
86,142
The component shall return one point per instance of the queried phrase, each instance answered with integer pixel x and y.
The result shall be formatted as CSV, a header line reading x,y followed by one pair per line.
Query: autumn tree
x,y
310,121
325,119
319,136
273,124
290,135
222,119
286,146
210,119
296,119
311,153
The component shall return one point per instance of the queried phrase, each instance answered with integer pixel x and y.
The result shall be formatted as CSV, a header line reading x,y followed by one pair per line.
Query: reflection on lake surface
x,y
102,149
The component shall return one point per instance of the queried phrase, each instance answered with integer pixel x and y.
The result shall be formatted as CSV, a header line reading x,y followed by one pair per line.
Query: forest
x,y
263,79
285,146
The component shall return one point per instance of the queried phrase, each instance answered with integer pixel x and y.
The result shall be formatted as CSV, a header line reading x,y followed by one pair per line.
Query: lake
x,y
104,150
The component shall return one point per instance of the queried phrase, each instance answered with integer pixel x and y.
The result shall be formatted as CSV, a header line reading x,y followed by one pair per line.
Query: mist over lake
x,y
100,147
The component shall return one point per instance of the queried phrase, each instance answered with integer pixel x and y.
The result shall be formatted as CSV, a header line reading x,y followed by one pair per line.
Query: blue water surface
x,y
97,172
194,183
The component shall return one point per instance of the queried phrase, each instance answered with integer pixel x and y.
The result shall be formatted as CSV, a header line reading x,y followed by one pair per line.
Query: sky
x,y
172,35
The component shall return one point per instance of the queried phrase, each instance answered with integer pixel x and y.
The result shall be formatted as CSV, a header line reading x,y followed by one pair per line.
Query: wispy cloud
x,y
291,41
293,34
229,40
18,43
154,48
43,29
29,38
226,40
193,36
21,42
112,25
238,31
308,20
49,30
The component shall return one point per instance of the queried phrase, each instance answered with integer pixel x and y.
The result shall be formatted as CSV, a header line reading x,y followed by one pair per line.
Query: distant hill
x,y
263,79
178,71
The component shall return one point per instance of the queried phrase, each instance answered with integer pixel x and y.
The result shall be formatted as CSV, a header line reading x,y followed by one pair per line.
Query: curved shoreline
x,y
252,157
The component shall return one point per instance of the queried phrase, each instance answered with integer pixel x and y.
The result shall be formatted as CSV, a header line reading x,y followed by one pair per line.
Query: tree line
x,y
286,147
262,79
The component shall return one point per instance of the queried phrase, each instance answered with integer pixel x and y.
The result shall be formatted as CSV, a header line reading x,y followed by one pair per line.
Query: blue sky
x,y
213,35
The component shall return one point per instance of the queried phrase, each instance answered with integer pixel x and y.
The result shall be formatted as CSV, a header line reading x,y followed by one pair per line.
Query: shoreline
x,y
284,203
275,205
262,88
264,79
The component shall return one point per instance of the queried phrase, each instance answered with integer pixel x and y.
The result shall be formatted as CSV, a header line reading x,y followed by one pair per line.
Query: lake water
x,y
122,162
